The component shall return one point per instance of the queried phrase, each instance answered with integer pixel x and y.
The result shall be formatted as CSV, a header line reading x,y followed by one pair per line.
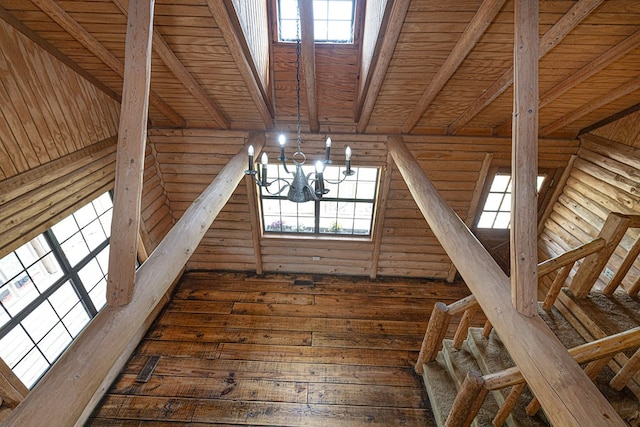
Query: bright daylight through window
x,y
497,208
51,287
347,209
332,20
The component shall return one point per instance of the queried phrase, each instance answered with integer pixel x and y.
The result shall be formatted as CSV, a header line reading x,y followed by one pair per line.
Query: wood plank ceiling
x,y
206,73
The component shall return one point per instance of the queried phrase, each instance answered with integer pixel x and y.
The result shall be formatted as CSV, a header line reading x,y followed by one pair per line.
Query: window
x,y
346,210
497,207
332,20
51,287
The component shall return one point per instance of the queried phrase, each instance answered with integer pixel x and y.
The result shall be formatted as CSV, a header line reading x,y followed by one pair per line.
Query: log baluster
x,y
509,404
436,330
486,329
556,286
463,327
468,401
627,372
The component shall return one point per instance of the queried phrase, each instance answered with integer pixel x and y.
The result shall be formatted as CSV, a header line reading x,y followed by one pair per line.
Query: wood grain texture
x,y
282,367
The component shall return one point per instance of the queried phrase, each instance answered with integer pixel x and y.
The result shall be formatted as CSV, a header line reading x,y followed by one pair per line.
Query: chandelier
x,y
302,188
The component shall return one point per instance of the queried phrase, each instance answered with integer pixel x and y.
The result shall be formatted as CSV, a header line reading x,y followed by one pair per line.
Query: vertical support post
x,y
132,135
612,232
524,161
436,330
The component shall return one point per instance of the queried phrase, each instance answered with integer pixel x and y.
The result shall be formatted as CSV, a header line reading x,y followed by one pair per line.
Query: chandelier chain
x,y
298,36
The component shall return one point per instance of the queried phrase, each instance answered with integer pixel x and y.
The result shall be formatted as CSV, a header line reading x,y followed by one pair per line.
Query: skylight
x,y
497,207
332,20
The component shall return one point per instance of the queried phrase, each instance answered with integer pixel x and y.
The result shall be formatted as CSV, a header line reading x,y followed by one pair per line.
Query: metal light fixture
x,y
301,189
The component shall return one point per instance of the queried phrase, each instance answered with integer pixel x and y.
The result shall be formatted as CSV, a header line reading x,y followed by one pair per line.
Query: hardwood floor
x,y
237,349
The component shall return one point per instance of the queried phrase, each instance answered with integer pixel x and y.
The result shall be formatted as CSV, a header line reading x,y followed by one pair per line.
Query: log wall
x,y
48,111
604,179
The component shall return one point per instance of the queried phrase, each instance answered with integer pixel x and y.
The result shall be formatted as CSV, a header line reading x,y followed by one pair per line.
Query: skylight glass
x,y
332,20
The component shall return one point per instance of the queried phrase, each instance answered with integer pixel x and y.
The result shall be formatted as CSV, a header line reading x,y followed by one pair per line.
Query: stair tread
x,y
613,314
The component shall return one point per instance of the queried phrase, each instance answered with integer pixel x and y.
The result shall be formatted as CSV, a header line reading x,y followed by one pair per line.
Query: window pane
x,y
486,220
78,318
340,10
93,235
63,299
103,259
499,184
45,272
91,274
14,346
10,266
502,220
366,190
339,31
493,202
55,342
22,292
40,321
320,10
85,215
506,203
103,203
105,221
31,368
288,9
362,227
65,228
4,316
347,190
75,249
99,294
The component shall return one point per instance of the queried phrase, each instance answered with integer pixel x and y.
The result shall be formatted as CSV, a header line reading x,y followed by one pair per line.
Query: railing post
x,y
612,231
509,404
436,331
468,401
624,268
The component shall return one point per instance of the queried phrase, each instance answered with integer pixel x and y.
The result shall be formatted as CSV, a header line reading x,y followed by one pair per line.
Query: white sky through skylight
x,y
333,20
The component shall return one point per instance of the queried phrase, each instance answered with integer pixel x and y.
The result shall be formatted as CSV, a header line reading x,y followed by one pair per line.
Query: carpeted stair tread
x,y
458,363
440,389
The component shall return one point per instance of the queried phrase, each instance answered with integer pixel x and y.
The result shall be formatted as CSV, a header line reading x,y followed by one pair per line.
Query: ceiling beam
x,y
588,70
132,132
476,28
551,38
309,62
609,97
530,342
612,118
175,65
225,17
524,160
387,41
83,37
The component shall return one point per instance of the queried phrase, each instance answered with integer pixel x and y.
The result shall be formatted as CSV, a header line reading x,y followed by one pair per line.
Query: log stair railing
x,y
594,354
597,354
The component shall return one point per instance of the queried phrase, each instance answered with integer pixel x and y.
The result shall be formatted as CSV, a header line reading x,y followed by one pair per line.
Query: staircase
x,y
472,380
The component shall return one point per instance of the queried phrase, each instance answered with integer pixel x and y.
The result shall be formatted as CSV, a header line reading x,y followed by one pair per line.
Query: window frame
x,y
317,216
355,25
70,274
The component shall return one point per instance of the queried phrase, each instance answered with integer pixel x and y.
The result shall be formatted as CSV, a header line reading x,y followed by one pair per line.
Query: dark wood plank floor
x,y
237,349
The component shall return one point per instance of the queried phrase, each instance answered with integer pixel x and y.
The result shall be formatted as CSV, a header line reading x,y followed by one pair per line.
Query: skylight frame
x,y
287,21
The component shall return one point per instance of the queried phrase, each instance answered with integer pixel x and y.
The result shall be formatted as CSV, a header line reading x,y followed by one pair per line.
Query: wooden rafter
x,y
309,62
530,342
225,18
63,19
175,65
387,40
478,25
107,339
524,160
125,225
609,97
551,38
612,118
37,39
588,70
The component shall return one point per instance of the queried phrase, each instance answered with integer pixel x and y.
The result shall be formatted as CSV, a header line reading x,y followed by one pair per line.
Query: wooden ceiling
x,y
421,66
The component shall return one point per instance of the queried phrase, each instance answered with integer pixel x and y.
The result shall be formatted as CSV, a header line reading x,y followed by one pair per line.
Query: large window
x,y
497,207
346,210
332,20
51,287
